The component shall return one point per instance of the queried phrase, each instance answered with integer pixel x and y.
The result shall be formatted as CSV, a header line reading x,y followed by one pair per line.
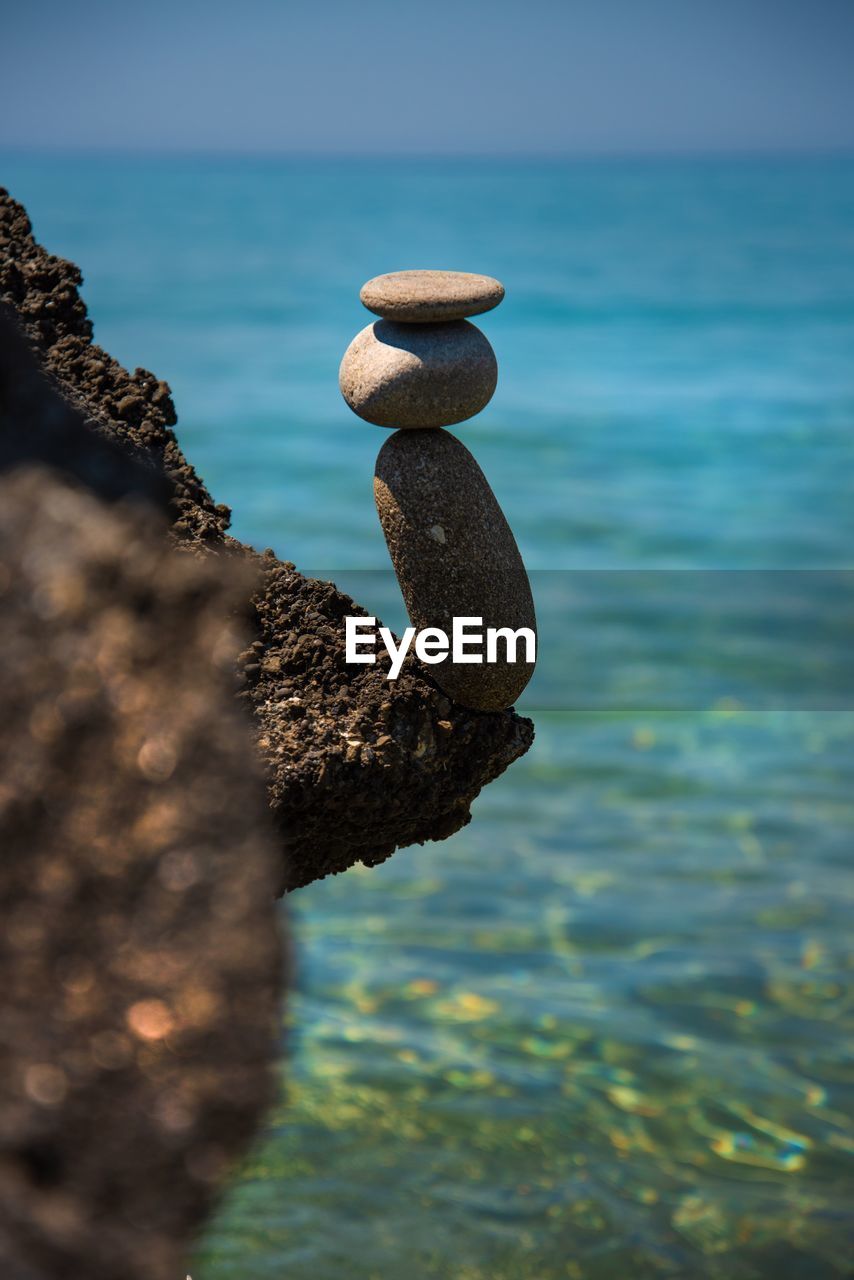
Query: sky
x,y
443,77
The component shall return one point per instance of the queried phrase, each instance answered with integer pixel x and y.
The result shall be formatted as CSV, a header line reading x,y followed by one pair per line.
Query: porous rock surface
x,y
356,766
139,959
418,375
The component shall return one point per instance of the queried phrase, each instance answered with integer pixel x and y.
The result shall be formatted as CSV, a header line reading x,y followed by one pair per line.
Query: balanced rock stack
x,y
421,367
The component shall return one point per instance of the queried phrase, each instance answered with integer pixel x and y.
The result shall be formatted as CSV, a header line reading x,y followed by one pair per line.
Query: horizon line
x,y
572,156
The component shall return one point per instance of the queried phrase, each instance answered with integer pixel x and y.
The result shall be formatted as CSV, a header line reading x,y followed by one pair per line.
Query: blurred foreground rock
x,y
356,766
138,954
139,960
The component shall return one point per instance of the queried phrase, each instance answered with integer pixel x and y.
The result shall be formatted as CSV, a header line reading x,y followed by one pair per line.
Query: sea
x,y
605,1031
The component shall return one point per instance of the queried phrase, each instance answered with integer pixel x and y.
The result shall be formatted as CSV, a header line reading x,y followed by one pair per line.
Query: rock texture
x,y
355,766
417,297
455,556
418,375
139,961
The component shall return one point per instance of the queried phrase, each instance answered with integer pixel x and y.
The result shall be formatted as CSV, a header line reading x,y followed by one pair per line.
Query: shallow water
x,y
606,1030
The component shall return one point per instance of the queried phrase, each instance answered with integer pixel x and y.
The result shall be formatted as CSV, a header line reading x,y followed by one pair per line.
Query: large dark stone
x,y
455,557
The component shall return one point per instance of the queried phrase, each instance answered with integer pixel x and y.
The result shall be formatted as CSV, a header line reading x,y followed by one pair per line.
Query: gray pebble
x,y
419,296
418,375
455,556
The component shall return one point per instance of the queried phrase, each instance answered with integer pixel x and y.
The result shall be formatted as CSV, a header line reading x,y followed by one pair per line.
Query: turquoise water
x,y
606,1030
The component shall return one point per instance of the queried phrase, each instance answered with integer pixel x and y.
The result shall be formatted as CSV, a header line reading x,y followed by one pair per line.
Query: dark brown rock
x,y
42,290
418,375
416,297
37,423
139,962
332,809
455,556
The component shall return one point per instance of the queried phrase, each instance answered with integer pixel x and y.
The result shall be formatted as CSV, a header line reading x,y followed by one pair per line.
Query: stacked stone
x,y
422,367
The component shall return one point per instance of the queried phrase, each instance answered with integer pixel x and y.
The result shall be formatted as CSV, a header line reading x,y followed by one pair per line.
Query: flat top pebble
x,y
419,297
